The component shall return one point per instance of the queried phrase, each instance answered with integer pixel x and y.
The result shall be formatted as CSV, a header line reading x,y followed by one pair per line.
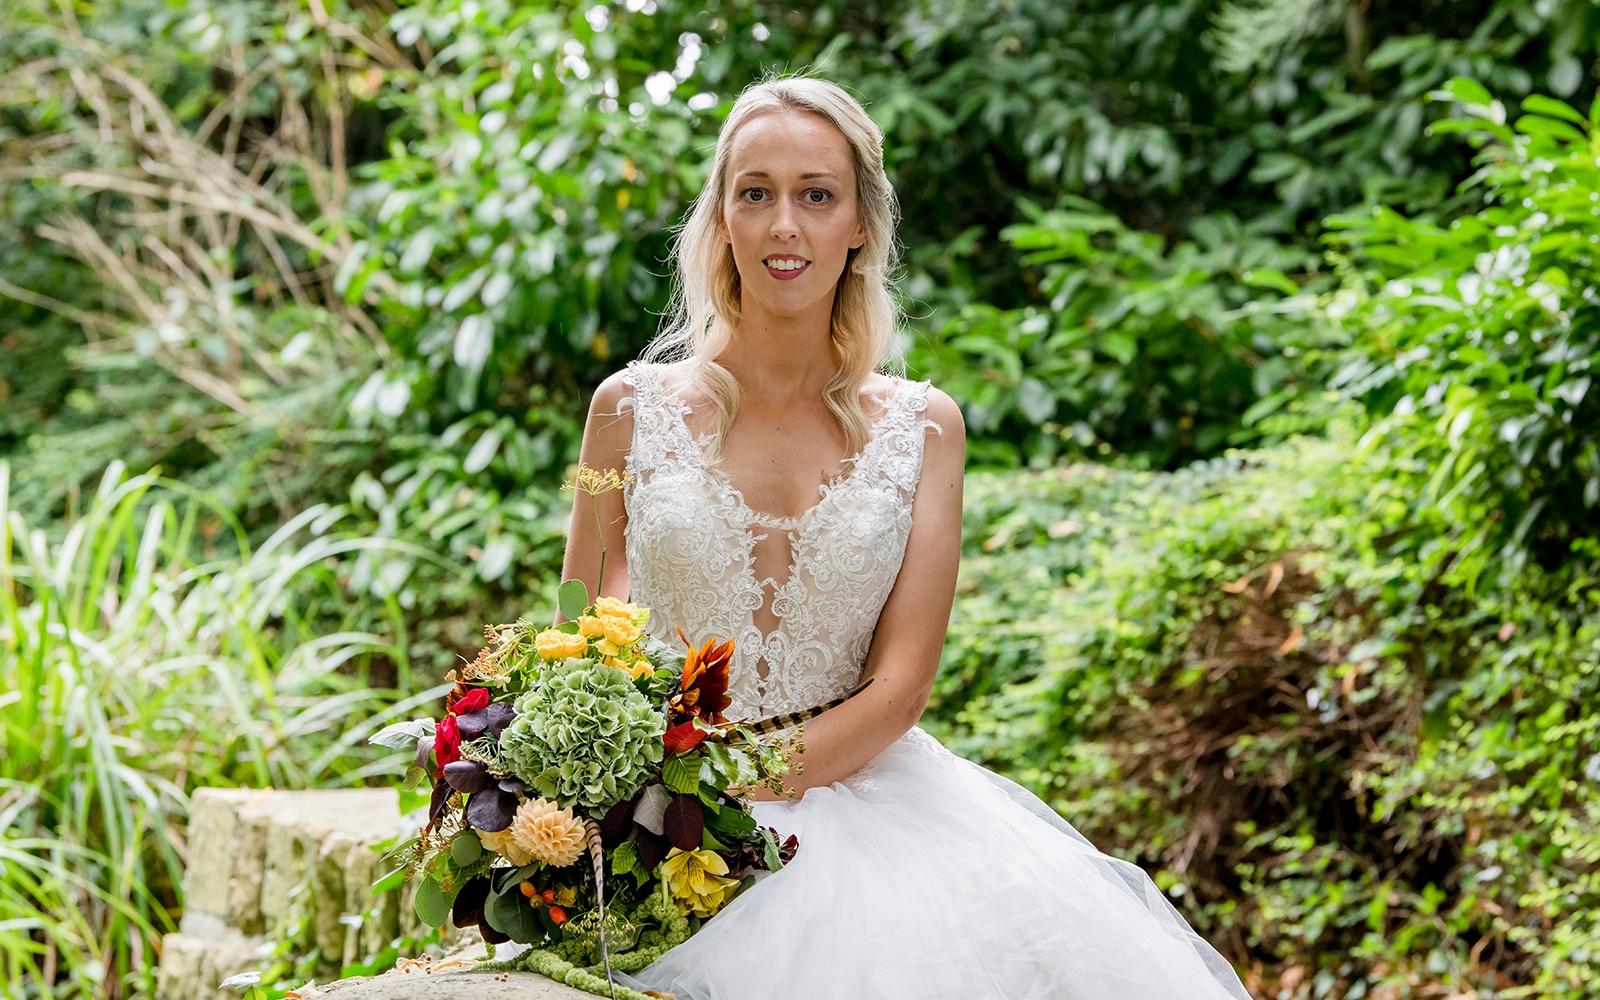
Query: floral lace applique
x,y
799,595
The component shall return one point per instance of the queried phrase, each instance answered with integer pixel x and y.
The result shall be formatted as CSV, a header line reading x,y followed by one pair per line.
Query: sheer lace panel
x,y
800,595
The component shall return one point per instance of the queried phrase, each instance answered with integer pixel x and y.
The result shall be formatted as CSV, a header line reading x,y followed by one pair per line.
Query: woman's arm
x,y
909,637
597,520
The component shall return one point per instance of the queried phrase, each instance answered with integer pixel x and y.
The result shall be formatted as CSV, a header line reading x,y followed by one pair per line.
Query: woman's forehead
x,y
792,144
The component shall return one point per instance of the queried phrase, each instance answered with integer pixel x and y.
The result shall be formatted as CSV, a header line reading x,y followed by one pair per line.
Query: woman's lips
x,y
786,275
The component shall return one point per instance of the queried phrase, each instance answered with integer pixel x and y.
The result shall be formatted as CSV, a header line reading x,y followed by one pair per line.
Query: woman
x,y
789,495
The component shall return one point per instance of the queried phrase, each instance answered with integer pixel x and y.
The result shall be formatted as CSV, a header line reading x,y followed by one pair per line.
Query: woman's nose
x,y
783,222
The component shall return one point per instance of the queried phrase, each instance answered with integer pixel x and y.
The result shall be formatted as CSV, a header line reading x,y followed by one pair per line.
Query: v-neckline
x,y
784,522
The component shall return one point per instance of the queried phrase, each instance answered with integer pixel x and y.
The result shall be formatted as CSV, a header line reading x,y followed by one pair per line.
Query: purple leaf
x,y
651,848
684,822
491,811
473,724
499,716
467,776
468,906
441,795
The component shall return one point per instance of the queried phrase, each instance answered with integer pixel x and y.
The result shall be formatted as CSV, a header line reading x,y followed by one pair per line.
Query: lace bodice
x,y
800,596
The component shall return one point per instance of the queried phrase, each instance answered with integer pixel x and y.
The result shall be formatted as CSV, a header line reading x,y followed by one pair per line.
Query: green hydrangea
x,y
584,736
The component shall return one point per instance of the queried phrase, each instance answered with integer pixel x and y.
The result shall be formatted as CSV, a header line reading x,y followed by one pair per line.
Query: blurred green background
x,y
1274,323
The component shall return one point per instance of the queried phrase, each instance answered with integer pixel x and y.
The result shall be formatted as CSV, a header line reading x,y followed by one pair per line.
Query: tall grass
x,y
145,650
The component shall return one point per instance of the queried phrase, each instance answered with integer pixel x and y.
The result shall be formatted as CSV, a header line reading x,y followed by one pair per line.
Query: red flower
x,y
683,737
446,744
473,701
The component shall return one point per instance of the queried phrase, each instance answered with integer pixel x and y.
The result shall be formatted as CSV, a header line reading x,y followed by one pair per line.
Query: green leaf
x,y
732,822
433,903
770,850
682,774
573,599
1269,277
510,913
625,859
1467,90
710,843
1538,104
402,734
390,881
465,848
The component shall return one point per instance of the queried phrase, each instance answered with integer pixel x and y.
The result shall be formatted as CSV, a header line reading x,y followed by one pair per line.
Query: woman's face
x,y
791,195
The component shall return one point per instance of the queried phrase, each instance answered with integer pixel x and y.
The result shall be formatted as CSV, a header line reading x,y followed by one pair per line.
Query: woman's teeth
x,y
786,265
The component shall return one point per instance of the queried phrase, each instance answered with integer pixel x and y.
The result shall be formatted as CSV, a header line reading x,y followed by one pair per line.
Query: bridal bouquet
x,y
590,798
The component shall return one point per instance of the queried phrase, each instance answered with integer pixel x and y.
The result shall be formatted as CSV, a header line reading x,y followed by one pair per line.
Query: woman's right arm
x,y
599,520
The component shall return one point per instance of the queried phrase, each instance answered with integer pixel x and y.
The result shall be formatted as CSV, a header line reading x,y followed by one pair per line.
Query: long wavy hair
x,y
865,327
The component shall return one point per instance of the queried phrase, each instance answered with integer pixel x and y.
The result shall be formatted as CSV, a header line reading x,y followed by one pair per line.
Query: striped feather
x,y
787,719
597,855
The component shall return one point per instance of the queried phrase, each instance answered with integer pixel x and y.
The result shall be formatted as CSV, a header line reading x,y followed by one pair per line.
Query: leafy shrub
x,y
1139,352
1357,777
1475,340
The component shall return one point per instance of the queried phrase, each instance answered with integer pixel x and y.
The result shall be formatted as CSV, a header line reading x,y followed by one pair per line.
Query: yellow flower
x,y
642,668
566,896
591,625
554,644
608,648
698,881
607,606
548,832
504,844
612,661
621,631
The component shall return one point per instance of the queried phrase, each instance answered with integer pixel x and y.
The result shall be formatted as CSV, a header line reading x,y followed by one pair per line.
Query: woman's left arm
x,y
909,638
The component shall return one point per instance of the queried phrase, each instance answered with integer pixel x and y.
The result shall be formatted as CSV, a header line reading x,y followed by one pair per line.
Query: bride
x,y
790,495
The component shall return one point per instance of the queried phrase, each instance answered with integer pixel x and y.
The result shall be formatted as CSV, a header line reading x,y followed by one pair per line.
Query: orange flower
x,y
704,690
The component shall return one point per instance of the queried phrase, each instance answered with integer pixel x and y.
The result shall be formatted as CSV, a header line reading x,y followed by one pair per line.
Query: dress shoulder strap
x,y
651,444
895,454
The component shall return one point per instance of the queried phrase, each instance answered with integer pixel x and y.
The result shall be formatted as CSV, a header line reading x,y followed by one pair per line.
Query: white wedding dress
x,y
922,875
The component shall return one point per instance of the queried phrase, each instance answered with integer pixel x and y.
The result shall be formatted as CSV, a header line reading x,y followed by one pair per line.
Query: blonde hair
x,y
866,321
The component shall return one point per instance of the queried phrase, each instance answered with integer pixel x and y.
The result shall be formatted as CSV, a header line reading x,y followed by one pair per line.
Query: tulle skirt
x,y
924,875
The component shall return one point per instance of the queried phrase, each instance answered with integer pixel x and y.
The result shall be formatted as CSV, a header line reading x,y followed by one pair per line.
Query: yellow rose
x,y
621,631
608,648
642,668
590,625
698,881
615,607
551,644
612,661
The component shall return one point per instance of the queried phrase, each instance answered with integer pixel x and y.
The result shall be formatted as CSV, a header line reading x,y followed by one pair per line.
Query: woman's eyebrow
x,y
804,177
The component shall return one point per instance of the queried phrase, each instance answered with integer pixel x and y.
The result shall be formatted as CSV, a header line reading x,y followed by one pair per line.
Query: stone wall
x,y
290,874
292,871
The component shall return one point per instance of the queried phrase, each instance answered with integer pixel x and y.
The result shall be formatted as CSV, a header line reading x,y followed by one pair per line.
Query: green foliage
x,y
1140,351
141,661
346,276
1475,340
1243,676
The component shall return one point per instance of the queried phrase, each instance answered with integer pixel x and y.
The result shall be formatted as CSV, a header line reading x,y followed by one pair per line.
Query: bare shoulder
x,y
946,413
608,434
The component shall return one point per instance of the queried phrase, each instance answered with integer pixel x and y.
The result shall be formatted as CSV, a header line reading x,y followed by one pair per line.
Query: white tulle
x,y
926,876
922,875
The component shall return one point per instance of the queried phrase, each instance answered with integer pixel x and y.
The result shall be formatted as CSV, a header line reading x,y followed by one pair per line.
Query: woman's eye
x,y
824,200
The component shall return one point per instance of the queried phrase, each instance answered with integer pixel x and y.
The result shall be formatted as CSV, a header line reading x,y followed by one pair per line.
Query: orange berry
x,y
528,889
558,915
549,895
